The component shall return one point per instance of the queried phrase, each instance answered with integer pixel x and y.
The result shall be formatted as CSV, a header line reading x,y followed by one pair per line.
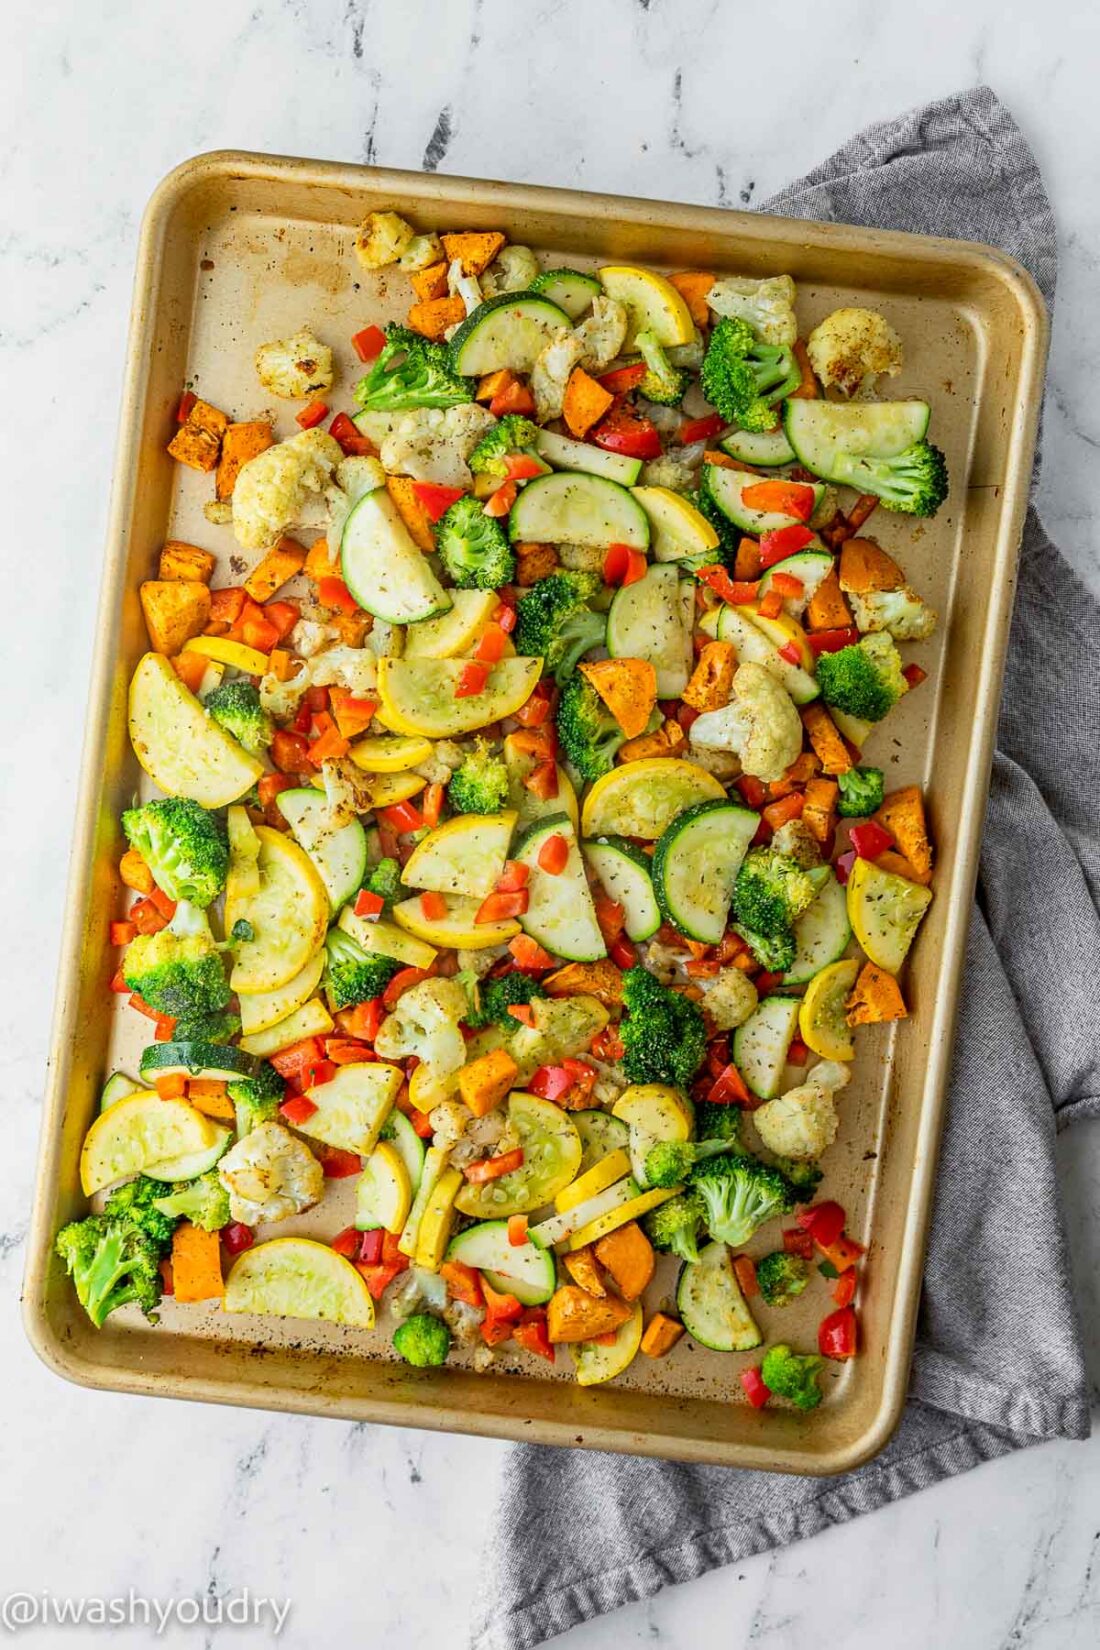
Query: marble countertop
x,y
375,1535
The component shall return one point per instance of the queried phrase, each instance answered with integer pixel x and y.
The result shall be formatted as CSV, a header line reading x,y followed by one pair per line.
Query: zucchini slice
x,y
821,934
382,567
711,1304
724,487
695,865
760,1045
214,1062
821,430
766,448
624,872
523,1270
116,1088
652,619
811,566
601,1134
560,914
339,854
569,289
573,508
508,331
565,454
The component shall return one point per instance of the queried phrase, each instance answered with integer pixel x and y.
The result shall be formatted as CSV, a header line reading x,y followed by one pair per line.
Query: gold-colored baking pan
x,y
237,249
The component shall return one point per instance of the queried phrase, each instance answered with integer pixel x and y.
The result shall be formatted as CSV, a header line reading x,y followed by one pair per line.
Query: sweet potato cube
x,y
485,1082
575,1315
175,610
628,687
402,489
584,403
430,283
865,566
240,443
693,286
712,679
827,609
185,561
435,317
196,448
661,1335
602,980
669,740
582,1268
196,1264
208,1095
534,562
628,1255
274,569
819,808
902,814
474,250
825,738
320,562
875,997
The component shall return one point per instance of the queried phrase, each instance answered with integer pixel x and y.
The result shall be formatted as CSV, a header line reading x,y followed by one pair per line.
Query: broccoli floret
x,y
863,680
729,536
739,1194
663,383
803,1175
480,784
511,434
178,972
219,1026
664,1035
792,1375
861,792
913,482
718,1123
111,1262
674,1225
384,879
256,1099
771,891
423,1340
671,1161
411,371
745,379
204,1202
184,847
136,1201
353,975
589,734
555,620
474,547
781,1277
236,707
496,997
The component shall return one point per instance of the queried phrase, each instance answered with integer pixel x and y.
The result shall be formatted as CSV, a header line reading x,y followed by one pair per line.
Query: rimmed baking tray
x,y
236,249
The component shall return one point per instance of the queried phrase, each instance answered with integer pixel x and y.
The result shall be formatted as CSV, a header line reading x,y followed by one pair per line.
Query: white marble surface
x,y
375,1535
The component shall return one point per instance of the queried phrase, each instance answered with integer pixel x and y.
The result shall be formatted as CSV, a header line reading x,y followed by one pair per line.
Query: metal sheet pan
x,y
239,248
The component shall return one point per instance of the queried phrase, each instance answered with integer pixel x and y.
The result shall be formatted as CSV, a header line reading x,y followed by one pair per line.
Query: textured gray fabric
x,y
998,1362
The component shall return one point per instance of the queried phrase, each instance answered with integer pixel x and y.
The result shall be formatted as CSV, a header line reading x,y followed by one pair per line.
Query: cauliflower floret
x,y
760,724
464,1321
478,963
550,373
382,238
602,333
347,790
669,470
281,699
449,1120
418,1291
274,488
767,306
309,637
852,347
665,962
421,252
729,998
270,1175
426,1023
512,270
433,443
296,367
354,668
903,613
464,286
722,764
796,839
803,1122
610,1082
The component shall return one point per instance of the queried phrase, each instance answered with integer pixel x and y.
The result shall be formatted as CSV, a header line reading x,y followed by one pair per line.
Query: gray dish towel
x,y
998,1362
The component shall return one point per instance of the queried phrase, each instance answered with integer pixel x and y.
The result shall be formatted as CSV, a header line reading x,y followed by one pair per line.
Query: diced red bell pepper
x,y
767,981
824,1222
843,1252
844,1289
622,953
362,1021
730,1089
337,1164
532,1334
379,1277
787,584
607,1044
295,1061
523,467
628,433
770,605
550,1082
914,675
290,752
541,742
370,1246
368,905
536,711
838,1335
402,981
701,429
755,1390
553,856
347,1051
582,1077
622,565
515,875
347,1243
492,646
433,906
369,343
463,1282
513,398
843,866
435,499
831,641
472,679
333,592
783,542
298,1109
523,1012
745,1273
610,915
403,817
517,1231
431,804
502,1307
491,1168
737,592
543,781
499,503
503,907
311,416
237,1237
781,498
753,791
529,955
798,1053
798,1242
623,379
350,439
121,933
283,616
791,652
869,839
505,616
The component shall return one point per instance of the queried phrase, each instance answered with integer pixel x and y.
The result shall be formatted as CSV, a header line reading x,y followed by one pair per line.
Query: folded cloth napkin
x,y
998,1362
